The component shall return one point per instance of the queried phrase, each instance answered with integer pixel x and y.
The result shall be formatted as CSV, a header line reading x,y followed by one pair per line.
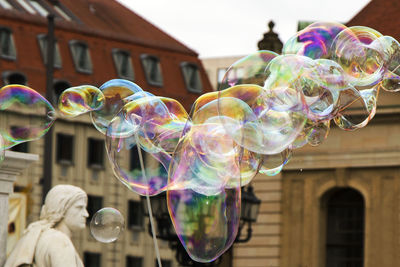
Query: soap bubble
x,y
39,114
314,41
248,70
360,54
114,91
78,100
106,225
206,225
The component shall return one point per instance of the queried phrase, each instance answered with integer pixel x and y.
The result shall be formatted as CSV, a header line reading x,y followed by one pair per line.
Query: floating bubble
x,y
248,70
2,150
314,41
391,52
78,100
359,53
313,133
206,225
39,114
106,225
356,108
256,126
156,124
114,91
273,164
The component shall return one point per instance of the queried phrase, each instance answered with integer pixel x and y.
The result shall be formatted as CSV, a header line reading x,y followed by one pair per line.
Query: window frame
x,y
63,161
88,254
130,224
114,53
12,43
95,165
72,45
186,79
150,81
43,50
91,212
128,257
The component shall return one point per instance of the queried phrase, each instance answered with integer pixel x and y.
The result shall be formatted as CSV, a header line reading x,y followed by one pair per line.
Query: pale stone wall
x,y
263,249
97,182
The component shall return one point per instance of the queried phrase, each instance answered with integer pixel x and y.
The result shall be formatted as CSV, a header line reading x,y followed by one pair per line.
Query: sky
x,y
216,28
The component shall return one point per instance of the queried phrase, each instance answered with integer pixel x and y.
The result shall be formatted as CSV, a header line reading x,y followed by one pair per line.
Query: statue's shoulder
x,y
54,239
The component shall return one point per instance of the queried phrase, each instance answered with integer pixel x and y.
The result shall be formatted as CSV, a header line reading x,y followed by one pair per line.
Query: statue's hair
x,y
58,200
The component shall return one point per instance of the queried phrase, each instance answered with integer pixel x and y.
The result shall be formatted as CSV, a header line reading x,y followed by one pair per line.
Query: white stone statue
x,y
47,242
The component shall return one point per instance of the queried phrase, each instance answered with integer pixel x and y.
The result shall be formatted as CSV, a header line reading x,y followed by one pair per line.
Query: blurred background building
x,y
95,41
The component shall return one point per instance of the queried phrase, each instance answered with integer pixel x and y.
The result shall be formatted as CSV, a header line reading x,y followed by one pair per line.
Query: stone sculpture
x,y
47,242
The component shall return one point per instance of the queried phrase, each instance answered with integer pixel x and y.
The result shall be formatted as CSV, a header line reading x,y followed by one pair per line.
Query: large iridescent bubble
x,y
314,41
78,100
152,124
114,91
38,112
360,53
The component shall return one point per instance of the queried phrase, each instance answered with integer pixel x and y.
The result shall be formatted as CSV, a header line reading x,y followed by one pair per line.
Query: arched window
x,y
14,77
345,213
59,87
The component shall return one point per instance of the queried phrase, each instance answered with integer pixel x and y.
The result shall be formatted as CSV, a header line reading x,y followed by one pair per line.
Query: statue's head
x,y
67,204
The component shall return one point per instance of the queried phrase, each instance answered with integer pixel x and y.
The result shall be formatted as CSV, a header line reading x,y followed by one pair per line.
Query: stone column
x,y
13,164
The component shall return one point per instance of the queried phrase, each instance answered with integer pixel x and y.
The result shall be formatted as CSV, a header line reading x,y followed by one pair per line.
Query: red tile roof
x,y
112,18
381,15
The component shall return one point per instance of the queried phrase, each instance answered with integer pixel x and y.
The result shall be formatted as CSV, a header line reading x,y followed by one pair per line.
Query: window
x,y
123,64
192,78
81,56
7,48
39,8
22,147
162,171
4,4
164,263
10,77
59,87
95,153
65,148
135,219
134,261
91,259
95,203
345,229
152,70
62,13
42,39
26,6
134,159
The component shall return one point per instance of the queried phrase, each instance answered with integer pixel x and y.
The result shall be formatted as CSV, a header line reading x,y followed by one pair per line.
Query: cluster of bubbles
x,y
267,106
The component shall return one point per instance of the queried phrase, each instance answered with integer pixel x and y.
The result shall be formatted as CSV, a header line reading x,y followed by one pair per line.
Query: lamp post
x,y
165,229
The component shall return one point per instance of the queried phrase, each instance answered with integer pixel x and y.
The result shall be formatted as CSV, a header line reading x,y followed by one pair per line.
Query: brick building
x,y
96,40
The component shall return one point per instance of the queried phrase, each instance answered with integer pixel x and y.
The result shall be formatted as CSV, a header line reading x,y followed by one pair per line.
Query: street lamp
x,y
165,229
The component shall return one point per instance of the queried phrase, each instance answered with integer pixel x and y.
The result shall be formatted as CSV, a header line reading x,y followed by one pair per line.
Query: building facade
x,y
336,204
96,41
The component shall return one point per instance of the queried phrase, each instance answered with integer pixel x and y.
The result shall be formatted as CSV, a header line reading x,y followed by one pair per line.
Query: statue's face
x,y
75,217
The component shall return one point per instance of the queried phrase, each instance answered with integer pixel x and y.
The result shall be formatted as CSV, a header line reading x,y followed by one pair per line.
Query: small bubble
x,y
106,225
